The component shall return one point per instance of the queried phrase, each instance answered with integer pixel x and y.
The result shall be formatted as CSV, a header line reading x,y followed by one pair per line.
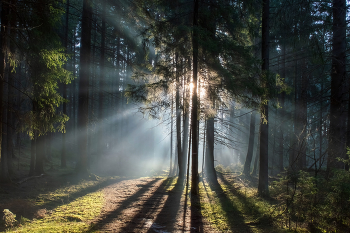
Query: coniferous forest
x,y
174,116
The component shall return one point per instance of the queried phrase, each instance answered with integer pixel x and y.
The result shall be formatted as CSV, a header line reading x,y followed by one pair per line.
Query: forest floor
x,y
160,205
123,204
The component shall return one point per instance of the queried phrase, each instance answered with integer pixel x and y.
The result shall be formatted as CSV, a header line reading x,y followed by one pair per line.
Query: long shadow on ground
x,y
236,219
111,216
18,199
196,215
75,195
167,216
248,206
145,217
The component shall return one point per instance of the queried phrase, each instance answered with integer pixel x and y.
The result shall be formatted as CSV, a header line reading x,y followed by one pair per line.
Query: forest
x,y
174,116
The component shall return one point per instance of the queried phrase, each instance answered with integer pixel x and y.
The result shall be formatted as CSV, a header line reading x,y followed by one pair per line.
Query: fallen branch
x,y
29,178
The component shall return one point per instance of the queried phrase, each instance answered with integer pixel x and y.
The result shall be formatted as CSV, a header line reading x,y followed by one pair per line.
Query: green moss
x,y
72,217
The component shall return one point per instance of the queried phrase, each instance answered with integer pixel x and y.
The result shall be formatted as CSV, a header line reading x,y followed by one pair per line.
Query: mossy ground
x,y
70,208
233,206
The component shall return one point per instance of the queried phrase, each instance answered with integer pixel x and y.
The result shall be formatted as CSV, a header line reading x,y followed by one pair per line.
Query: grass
x,y
60,201
67,209
234,206
72,217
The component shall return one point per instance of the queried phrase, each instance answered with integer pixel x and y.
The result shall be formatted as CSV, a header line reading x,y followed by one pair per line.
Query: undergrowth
x,y
233,207
314,203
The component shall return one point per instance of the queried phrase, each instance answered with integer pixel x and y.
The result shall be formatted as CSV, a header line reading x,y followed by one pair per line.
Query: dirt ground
x,y
147,205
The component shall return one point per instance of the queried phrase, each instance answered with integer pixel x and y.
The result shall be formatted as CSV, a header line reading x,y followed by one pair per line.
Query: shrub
x,y
319,204
9,218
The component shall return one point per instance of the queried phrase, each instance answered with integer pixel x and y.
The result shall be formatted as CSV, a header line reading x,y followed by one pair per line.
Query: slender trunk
x,y
171,137
186,130
282,113
5,12
75,114
32,154
10,94
84,74
303,118
188,163
102,78
257,156
336,145
248,160
209,158
63,155
194,123
178,122
320,130
204,146
293,131
263,188
40,154
186,121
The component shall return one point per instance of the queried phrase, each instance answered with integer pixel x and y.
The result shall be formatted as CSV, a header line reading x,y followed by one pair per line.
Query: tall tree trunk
x,y
171,137
5,12
10,94
186,120
178,123
282,113
194,123
263,188
248,160
185,148
303,118
63,155
293,131
32,154
337,119
85,56
40,154
209,156
257,155
102,78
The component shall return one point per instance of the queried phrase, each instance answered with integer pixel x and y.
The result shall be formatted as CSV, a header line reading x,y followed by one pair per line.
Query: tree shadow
x,y
167,216
261,222
145,216
20,200
236,219
248,206
196,214
110,216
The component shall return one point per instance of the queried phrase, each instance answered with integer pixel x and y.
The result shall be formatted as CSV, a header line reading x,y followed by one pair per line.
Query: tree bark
x,y
84,74
336,145
63,155
178,123
171,137
263,188
194,115
209,157
40,154
5,12
248,160
102,78
282,113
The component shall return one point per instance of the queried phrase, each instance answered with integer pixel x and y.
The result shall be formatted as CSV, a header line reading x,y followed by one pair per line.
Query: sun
x,y
201,91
